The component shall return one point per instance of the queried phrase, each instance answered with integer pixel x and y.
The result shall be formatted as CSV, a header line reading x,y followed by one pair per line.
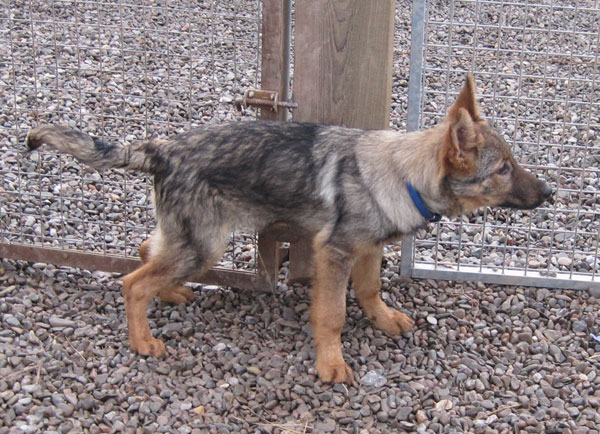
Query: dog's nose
x,y
547,193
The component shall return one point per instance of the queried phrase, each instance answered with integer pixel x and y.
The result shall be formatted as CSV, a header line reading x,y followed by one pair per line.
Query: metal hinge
x,y
268,99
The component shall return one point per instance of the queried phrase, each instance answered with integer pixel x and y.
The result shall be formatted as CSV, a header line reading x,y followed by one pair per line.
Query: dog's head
x,y
479,169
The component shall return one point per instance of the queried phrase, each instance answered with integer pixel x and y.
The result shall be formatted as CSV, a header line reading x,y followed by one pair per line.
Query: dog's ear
x,y
462,142
467,99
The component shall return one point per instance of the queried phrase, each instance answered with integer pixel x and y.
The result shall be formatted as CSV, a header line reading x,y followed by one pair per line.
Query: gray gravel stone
x,y
403,413
56,321
579,326
328,425
556,353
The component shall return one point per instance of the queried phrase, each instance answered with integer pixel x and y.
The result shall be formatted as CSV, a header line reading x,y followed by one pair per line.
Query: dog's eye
x,y
504,169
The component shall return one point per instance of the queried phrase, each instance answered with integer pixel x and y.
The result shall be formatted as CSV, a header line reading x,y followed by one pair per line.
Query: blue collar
x,y
418,201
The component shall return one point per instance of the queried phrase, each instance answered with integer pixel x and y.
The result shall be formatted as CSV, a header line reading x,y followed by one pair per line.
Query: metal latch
x,y
263,99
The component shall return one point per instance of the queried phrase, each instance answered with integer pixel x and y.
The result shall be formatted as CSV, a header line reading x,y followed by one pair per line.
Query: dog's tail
x,y
90,150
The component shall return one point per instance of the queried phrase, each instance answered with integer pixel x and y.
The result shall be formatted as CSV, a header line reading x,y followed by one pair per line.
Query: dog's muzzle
x,y
548,194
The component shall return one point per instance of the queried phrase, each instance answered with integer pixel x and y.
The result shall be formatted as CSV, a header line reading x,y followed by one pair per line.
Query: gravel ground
x,y
480,359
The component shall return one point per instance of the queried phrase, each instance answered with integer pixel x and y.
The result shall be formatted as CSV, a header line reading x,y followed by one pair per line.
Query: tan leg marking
x,y
367,282
138,289
145,251
328,313
176,294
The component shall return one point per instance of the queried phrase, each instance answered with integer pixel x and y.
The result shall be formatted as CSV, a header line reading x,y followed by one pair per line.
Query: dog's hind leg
x,y
145,250
138,289
366,282
173,259
328,312
175,294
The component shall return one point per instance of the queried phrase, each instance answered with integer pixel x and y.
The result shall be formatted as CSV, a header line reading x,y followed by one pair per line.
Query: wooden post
x,y
274,76
275,61
343,67
342,75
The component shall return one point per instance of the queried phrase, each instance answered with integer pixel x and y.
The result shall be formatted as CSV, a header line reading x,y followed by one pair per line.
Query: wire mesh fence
x,y
121,71
538,73
124,71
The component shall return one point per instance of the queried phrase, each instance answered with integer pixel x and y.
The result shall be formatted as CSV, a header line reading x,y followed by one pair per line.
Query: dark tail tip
x,y
34,140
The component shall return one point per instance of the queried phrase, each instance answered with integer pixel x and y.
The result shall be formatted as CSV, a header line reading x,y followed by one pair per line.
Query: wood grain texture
x,y
343,62
342,75
274,76
273,58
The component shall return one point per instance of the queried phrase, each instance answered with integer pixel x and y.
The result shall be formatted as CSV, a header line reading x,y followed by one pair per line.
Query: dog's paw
x,y
393,322
149,347
176,295
337,373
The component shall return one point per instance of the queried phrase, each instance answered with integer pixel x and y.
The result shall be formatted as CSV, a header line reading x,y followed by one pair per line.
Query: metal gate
x,y
537,69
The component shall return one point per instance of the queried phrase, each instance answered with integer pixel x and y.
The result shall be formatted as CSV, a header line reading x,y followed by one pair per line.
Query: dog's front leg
x,y
367,282
328,312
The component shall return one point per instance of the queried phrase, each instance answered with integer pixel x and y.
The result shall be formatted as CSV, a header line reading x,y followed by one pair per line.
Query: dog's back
x,y
268,171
